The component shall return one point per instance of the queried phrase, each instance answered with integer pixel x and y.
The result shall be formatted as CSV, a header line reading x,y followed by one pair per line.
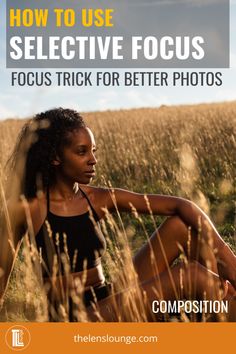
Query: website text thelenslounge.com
x,y
114,339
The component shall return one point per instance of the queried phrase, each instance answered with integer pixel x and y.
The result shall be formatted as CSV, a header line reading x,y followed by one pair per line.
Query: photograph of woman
x,y
52,165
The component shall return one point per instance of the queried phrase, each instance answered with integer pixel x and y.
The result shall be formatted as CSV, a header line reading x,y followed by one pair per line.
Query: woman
x,y
63,213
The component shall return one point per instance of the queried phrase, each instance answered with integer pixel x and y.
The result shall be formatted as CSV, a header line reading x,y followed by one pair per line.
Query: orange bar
x,y
64,338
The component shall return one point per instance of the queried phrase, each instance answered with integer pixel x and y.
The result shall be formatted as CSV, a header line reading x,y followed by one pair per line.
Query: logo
x,y
17,337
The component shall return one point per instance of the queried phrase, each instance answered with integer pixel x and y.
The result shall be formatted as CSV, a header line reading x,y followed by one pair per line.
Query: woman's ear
x,y
56,162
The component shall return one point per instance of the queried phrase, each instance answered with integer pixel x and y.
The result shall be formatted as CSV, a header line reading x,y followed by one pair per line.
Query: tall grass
x,y
185,150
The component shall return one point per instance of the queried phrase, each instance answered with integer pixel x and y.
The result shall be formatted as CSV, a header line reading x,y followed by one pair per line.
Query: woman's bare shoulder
x,y
94,191
98,196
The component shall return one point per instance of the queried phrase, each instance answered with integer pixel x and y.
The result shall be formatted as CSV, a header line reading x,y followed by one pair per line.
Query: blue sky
x,y
25,101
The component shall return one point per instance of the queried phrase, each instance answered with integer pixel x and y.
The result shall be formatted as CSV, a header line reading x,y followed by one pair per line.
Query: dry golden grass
x,y
183,150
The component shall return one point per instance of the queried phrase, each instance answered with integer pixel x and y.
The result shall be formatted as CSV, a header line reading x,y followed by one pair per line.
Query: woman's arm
x,y
12,231
19,217
188,211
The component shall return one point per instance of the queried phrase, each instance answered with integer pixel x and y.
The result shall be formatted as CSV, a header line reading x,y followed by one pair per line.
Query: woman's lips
x,y
89,173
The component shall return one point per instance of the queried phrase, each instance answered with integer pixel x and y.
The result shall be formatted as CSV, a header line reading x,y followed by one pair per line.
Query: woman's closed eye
x,y
83,151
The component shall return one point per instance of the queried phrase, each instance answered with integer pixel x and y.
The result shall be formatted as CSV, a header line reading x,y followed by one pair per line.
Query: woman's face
x,y
77,161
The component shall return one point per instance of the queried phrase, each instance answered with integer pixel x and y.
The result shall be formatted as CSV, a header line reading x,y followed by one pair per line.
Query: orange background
x,y
172,337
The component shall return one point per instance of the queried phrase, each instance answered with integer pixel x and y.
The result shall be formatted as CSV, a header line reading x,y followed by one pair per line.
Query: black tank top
x,y
74,240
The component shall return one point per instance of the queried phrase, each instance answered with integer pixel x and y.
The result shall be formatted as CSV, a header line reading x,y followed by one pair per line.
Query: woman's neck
x,y
65,191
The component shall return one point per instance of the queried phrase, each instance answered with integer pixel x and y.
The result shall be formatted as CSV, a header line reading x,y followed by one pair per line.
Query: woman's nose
x,y
93,159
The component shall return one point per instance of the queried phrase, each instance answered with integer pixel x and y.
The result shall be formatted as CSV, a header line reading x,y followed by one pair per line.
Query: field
x,y
188,151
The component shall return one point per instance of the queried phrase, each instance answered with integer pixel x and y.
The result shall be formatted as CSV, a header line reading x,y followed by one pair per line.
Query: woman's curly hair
x,y
39,143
